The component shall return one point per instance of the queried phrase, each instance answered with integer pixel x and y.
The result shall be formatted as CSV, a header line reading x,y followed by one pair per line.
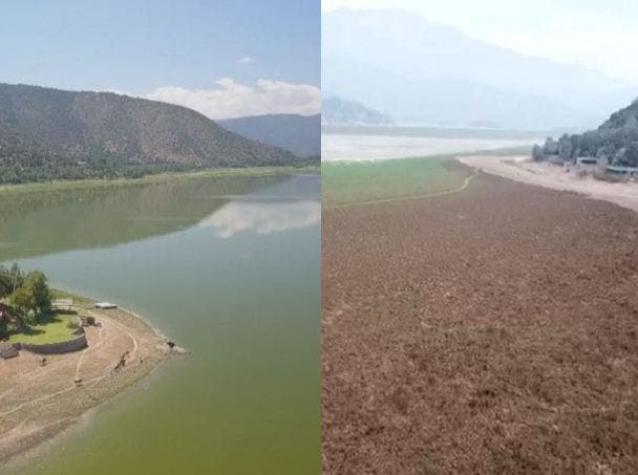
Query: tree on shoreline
x,y
29,294
615,141
10,280
33,298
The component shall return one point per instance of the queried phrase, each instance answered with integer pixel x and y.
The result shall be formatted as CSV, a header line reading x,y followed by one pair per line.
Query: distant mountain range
x,y
615,141
337,111
438,76
299,134
49,133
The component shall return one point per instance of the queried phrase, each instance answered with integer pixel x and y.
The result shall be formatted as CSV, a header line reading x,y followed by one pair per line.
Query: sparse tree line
x,y
616,147
616,141
25,298
27,167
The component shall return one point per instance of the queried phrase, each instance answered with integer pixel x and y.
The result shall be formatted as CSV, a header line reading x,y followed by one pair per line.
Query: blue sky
x,y
138,47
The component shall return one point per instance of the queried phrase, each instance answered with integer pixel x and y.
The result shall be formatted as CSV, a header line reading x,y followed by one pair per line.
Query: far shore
x,y
361,147
521,168
41,398
61,185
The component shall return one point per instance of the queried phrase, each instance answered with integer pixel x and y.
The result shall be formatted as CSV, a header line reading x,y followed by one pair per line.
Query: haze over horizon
x,y
445,76
573,32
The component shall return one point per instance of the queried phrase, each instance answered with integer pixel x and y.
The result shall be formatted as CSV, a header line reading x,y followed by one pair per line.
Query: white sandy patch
x,y
355,147
523,169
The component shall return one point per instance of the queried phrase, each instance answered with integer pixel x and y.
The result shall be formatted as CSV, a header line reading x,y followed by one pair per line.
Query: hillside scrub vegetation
x,y
615,141
50,134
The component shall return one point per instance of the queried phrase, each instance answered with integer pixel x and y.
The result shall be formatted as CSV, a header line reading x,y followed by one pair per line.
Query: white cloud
x,y
119,92
263,218
232,99
246,60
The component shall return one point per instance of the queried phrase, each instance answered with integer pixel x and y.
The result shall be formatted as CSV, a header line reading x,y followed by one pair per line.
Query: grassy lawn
x,y
54,331
355,182
346,183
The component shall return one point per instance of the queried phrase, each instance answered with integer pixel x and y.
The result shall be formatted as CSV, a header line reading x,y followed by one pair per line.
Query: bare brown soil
x,y
37,402
524,169
490,331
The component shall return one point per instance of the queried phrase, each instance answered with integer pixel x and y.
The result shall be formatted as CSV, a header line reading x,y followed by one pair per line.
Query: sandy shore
x,y
37,402
523,169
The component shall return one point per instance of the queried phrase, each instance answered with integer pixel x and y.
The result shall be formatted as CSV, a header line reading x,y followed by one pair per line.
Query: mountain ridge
x,y
338,111
299,134
93,134
442,76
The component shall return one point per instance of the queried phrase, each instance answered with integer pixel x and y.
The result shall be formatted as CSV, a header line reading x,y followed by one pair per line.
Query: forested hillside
x,y
616,141
54,134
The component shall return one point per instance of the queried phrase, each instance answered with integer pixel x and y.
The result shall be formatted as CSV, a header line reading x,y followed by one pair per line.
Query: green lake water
x,y
229,268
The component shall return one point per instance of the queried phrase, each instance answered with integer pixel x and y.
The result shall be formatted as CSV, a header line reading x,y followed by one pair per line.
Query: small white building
x,y
62,305
621,173
590,164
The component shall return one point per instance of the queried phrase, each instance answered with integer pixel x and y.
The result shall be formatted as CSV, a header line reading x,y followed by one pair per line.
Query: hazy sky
x,y
232,57
602,35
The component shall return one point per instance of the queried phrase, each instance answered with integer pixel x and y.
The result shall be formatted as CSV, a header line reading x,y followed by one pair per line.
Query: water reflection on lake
x,y
38,223
228,269
263,217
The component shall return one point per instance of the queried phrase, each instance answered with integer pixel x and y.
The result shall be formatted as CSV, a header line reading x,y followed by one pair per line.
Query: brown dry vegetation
x,y
489,331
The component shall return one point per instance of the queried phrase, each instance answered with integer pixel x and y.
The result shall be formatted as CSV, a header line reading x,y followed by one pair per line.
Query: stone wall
x,y
76,344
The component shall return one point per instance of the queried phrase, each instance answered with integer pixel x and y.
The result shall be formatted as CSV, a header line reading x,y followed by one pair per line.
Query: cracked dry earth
x,y
37,402
489,331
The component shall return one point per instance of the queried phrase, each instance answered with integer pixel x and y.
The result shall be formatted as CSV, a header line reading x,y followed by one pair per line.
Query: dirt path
x,y
489,331
41,401
99,341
